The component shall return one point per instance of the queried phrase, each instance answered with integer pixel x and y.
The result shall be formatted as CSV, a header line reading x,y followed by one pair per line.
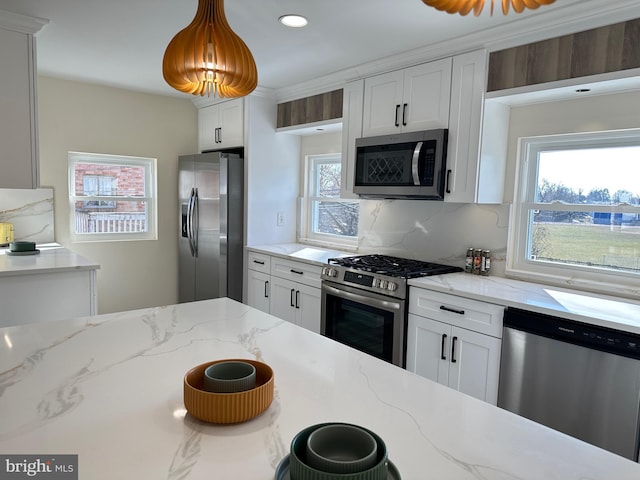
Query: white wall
x,y
89,118
273,169
593,113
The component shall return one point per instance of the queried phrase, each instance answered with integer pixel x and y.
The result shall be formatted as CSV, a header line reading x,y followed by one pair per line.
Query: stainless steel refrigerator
x,y
211,226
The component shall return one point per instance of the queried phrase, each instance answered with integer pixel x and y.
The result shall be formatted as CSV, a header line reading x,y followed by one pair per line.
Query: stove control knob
x,y
383,284
375,283
332,272
392,287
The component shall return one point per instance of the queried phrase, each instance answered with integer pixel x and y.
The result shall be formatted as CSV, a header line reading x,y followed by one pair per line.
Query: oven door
x,y
372,323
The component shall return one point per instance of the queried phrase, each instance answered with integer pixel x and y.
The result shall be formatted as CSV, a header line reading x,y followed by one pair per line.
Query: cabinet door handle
x,y
447,189
259,262
442,354
404,114
397,122
266,289
299,272
291,297
453,349
452,310
297,298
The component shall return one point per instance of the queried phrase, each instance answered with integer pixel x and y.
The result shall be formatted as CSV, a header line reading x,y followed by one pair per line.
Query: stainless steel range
x,y
364,302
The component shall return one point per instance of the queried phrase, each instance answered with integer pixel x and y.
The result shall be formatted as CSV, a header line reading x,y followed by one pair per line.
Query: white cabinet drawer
x,y
300,272
463,312
259,262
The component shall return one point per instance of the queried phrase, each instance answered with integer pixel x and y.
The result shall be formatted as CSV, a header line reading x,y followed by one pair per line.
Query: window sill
x,y
629,290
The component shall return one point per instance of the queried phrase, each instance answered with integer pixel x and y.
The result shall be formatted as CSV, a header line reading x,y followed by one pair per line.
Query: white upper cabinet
x,y
352,98
476,154
18,105
221,125
416,98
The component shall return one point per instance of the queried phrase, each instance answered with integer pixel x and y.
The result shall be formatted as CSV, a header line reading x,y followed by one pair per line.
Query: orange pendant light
x,y
207,57
465,6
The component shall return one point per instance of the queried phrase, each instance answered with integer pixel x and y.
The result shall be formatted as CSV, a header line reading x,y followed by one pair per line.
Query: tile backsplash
x,y
30,212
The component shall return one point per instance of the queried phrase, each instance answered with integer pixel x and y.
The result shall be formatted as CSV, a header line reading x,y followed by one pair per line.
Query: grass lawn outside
x,y
615,246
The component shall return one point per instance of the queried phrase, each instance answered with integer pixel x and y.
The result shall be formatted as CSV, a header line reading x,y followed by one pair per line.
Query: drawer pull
x,y
259,262
299,272
452,310
442,355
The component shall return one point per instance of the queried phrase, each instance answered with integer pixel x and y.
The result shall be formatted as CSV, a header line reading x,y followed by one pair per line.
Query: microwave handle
x,y
414,163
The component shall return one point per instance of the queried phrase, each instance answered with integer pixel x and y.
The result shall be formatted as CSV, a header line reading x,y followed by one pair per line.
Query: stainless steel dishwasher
x,y
580,379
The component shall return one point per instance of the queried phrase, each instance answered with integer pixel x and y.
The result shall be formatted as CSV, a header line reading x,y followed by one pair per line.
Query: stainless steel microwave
x,y
404,165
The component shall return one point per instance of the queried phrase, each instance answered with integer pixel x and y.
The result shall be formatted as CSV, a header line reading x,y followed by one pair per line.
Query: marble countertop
x,y
591,308
301,252
52,258
109,389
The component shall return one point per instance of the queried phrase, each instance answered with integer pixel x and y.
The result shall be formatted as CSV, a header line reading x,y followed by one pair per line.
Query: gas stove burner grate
x,y
393,266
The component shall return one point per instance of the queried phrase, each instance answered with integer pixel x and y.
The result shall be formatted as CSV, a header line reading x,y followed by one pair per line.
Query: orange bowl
x,y
228,407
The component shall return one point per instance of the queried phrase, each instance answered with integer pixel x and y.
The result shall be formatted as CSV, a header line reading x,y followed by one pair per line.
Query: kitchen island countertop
x,y
109,389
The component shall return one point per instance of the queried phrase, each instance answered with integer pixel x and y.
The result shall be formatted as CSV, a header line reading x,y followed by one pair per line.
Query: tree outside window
x,y
328,216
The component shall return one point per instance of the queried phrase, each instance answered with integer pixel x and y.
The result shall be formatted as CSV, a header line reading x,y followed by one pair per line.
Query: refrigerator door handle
x,y
190,221
195,222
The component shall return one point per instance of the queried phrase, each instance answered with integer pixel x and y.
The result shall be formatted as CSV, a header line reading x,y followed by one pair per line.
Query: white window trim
x,y
305,204
591,279
150,166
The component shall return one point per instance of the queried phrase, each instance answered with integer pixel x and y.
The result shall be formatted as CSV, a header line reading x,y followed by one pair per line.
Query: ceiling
x,y
121,42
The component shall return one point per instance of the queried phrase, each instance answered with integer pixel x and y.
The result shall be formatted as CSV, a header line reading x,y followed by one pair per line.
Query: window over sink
x,y
325,217
112,197
577,210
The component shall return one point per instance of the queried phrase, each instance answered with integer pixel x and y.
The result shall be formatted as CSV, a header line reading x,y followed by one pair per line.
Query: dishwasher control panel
x,y
590,336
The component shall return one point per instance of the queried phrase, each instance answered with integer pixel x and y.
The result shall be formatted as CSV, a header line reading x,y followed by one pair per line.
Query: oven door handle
x,y
374,302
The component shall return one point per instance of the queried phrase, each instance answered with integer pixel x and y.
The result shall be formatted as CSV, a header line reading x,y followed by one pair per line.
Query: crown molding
x,y
21,23
562,20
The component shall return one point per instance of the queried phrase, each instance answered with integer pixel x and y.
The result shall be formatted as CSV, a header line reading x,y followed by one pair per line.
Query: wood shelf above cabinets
x,y
601,50
316,108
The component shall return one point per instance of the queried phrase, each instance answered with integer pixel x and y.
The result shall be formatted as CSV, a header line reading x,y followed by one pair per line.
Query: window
x,y
327,217
577,210
112,197
99,186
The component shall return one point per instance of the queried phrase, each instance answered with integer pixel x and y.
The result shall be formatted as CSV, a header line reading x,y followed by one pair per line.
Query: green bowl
x,y
301,470
22,246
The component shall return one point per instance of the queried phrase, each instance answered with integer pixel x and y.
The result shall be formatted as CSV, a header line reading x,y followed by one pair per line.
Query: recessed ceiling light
x,y
295,21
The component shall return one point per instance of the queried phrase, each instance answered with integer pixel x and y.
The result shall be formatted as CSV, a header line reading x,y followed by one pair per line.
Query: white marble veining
x,y
603,310
52,258
109,388
30,212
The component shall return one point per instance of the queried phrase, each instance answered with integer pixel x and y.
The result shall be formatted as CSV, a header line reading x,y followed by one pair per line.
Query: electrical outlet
x,y
280,219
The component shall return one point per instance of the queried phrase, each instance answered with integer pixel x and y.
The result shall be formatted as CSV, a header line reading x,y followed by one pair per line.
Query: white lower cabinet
x,y
258,290
258,281
443,351
44,297
296,303
287,289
